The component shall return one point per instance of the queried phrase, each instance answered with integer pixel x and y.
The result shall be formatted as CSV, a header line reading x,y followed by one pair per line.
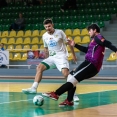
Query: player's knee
x,y
65,73
72,79
40,68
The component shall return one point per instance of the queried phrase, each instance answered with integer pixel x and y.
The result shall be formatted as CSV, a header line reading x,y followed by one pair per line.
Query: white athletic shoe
x,y
29,90
76,99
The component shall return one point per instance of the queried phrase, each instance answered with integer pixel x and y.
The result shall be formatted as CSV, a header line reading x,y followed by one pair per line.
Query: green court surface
x,y
13,104
17,104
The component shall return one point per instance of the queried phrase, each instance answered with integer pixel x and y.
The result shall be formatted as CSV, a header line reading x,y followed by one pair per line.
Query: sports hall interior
x,y
98,95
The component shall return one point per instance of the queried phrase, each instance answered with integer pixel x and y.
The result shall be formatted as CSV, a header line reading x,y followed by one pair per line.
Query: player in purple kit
x,y
87,69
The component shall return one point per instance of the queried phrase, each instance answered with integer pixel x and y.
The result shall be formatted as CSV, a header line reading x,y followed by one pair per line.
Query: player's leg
x,y
44,65
71,93
84,71
75,98
62,65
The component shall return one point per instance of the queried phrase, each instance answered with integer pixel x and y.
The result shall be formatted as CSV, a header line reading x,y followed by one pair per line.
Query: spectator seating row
x,y
23,57
37,33
36,40
61,25
24,48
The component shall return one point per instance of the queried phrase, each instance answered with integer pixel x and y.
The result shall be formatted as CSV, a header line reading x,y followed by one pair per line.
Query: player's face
x,y
49,27
20,15
92,33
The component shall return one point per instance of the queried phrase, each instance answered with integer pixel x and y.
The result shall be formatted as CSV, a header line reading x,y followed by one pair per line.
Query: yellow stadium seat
x,y
18,48
42,47
10,48
20,33
27,40
77,39
4,40
24,57
42,32
68,32
76,32
11,41
10,56
12,34
84,32
19,41
35,33
70,58
112,57
4,34
5,47
17,56
27,33
76,50
41,41
35,40
69,37
26,48
85,40
34,47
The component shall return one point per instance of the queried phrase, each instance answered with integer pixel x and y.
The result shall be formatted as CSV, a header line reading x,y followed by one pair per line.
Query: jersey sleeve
x,y
44,43
63,36
105,43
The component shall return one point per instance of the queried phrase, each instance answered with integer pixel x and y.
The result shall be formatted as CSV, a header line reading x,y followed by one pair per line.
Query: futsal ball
x,y
38,100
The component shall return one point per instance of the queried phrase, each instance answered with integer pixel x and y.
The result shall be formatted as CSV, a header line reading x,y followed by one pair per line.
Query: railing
x,y
107,66
18,66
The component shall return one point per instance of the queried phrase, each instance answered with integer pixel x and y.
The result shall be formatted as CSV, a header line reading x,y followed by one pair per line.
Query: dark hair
x,y
93,27
48,21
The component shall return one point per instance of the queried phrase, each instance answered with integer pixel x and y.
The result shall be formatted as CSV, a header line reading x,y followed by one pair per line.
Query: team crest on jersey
x,y
52,43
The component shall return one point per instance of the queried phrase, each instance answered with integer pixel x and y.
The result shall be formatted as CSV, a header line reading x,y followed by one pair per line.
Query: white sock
x,y
35,85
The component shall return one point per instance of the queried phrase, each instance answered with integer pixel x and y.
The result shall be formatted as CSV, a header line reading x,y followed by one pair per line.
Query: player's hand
x,y
71,42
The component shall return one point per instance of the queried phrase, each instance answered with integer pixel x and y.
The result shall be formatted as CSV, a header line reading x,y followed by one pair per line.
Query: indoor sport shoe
x,y
51,95
75,98
29,90
66,103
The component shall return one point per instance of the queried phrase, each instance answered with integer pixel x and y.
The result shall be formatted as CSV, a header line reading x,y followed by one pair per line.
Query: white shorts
x,y
58,62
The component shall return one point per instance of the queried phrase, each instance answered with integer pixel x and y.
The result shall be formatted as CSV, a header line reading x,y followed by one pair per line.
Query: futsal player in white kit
x,y
56,55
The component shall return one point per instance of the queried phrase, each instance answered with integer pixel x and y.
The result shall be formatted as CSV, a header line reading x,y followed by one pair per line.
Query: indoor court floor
x,y
97,99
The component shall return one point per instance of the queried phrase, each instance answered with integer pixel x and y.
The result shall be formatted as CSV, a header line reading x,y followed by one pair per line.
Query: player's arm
x,y
45,48
73,53
105,43
81,48
46,52
71,48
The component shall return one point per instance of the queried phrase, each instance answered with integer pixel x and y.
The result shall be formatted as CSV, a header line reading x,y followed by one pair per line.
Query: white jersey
x,y
55,43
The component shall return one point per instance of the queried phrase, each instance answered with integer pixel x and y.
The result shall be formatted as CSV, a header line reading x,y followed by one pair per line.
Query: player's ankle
x,y
35,85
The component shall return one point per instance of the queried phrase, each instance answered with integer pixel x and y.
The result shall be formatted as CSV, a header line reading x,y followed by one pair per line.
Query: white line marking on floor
x,y
15,101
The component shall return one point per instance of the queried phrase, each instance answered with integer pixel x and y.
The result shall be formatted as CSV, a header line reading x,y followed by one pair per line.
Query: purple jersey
x,y
95,53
